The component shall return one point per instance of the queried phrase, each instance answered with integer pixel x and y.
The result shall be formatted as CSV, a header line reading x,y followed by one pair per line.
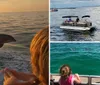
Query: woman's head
x,y
39,50
65,70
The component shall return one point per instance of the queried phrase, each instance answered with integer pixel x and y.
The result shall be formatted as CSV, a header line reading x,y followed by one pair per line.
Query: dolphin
x,y
4,38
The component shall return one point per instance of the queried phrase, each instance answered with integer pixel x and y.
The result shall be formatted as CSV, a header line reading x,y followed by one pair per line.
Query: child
x,y
66,76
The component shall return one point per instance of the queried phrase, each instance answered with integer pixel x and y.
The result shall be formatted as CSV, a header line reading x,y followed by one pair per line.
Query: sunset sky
x,y
23,5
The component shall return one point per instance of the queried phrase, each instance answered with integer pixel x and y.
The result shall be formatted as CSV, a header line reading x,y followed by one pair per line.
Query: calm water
x,y
83,58
22,26
58,34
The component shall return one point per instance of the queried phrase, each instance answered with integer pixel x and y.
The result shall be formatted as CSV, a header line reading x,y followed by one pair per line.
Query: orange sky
x,y
23,5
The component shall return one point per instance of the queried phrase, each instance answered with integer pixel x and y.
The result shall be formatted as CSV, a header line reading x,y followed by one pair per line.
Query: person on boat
x,y
66,21
39,50
70,20
51,80
77,20
66,76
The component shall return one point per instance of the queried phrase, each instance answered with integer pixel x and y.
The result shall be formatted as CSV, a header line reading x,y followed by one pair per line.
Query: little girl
x,y
67,78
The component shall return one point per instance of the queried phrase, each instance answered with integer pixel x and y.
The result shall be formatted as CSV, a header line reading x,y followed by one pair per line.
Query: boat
x,y
75,24
54,10
85,79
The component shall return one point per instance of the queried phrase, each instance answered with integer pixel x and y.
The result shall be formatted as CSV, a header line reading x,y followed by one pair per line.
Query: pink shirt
x,y
68,81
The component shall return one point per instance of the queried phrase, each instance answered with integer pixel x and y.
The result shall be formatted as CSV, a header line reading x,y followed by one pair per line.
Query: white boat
x,y
75,28
53,9
76,24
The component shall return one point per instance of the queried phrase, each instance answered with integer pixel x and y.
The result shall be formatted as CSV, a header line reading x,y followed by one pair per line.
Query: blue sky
x,y
73,3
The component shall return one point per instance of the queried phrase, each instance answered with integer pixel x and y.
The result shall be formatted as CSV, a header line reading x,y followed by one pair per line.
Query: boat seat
x,y
68,23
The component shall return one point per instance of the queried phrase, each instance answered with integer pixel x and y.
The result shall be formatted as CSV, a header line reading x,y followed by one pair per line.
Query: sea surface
x,y
22,26
58,34
83,58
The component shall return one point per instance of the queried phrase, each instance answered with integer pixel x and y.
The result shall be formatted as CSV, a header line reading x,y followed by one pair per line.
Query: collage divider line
x,y
74,41
49,39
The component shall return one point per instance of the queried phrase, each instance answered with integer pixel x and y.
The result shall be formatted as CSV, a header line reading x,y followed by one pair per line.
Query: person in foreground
x,y
39,61
66,76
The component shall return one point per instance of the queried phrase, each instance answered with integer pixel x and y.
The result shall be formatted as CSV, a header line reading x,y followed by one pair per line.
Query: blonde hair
x,y
39,50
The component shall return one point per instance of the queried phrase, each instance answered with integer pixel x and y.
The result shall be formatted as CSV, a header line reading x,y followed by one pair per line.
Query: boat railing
x,y
87,79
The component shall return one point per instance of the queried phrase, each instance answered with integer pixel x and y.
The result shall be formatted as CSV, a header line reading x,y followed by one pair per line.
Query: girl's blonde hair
x,y
39,50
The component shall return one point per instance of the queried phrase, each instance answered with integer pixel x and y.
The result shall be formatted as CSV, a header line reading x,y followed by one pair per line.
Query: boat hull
x,y
75,28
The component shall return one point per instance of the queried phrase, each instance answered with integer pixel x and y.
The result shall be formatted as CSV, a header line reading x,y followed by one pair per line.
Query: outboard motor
x,y
92,29
90,23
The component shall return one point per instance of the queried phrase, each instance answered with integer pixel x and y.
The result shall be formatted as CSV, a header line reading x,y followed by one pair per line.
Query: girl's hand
x,y
77,79
10,79
76,75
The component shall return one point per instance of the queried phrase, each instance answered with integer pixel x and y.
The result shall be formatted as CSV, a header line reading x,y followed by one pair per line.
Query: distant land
x,y
73,7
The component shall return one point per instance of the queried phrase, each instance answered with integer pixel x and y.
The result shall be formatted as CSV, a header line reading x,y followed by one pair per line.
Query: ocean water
x,y
58,34
22,26
83,58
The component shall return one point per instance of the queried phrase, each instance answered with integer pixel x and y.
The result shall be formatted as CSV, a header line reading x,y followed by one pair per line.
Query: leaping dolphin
x,y
5,39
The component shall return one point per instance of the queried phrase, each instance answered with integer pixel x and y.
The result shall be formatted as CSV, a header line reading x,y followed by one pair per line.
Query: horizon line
x,y
25,11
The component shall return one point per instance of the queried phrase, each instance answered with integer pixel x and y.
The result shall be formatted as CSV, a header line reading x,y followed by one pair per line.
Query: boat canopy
x,y
85,16
69,16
